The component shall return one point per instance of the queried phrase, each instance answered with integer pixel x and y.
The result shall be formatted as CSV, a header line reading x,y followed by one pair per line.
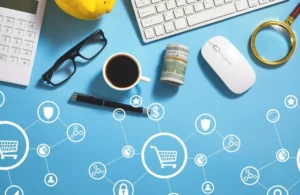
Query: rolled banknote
x,y
175,62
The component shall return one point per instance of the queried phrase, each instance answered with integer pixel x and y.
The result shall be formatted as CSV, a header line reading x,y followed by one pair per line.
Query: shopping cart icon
x,y
166,158
7,147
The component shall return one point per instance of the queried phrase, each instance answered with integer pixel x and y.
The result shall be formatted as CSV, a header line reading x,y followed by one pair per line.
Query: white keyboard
x,y
20,25
158,19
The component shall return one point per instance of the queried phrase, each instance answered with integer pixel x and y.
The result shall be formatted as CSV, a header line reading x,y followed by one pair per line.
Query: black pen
x,y
79,97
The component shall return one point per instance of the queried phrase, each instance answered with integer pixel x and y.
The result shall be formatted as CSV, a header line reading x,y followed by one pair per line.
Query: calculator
x,y
20,26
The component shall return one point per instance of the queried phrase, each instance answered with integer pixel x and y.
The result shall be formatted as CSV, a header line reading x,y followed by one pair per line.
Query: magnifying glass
x,y
274,42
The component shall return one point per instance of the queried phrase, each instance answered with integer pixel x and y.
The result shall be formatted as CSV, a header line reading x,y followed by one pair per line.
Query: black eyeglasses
x,y
65,67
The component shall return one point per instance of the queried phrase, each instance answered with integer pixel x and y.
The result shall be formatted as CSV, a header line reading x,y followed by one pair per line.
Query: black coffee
x,y
122,71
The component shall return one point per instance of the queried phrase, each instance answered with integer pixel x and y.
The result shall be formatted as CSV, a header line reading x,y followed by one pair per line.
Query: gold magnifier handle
x,y
293,15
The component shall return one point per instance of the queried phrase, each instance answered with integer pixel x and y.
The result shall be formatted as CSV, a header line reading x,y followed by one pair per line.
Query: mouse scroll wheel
x,y
216,48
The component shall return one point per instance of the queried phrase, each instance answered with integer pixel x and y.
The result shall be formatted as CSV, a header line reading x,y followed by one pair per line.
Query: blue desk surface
x,y
203,92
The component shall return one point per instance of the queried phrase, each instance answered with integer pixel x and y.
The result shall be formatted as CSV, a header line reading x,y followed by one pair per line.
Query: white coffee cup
x,y
139,77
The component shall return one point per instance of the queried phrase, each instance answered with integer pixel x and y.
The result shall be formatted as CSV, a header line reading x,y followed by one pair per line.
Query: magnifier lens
x,y
273,42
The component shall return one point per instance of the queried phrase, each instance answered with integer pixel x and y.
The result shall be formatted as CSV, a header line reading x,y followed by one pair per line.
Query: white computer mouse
x,y
229,64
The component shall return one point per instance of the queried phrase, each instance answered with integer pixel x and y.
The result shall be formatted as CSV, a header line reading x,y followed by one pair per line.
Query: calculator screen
x,y
29,6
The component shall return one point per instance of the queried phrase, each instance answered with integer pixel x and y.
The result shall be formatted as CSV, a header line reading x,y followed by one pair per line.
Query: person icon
x,y
50,180
207,188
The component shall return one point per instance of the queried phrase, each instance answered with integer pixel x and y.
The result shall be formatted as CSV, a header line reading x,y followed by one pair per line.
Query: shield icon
x,y
205,124
48,112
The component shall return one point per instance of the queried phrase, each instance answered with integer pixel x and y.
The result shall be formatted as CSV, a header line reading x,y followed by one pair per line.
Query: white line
x,y
278,135
114,161
158,126
32,124
215,153
124,133
9,178
293,158
47,164
59,143
204,173
169,185
138,154
267,165
294,185
109,180
219,134
190,158
62,122
189,136
32,148
140,178
263,186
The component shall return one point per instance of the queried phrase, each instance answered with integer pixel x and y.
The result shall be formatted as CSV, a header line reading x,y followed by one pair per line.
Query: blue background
x,y
203,92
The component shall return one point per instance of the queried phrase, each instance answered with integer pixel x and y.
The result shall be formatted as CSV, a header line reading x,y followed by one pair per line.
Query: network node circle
x,y
273,116
50,180
184,161
14,187
127,183
201,160
136,101
128,151
43,150
97,170
208,187
119,114
156,112
54,105
76,132
203,124
291,101
278,188
250,176
3,99
282,155
26,145
231,143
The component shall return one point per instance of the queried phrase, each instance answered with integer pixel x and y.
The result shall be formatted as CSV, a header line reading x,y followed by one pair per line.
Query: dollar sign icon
x,y
155,112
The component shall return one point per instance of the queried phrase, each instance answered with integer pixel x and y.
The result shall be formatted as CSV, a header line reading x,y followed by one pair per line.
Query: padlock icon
x,y
123,190
277,192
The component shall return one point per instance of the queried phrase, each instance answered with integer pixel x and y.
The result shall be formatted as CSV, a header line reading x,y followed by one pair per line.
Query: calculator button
x,y
3,48
26,53
21,23
19,32
14,51
7,30
5,39
31,25
13,60
30,34
17,41
24,62
28,44
9,20
3,58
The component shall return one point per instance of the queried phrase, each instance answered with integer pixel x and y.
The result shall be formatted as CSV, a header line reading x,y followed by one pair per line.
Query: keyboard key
x,y
14,51
169,27
178,12
24,62
19,32
191,1
142,3
28,44
30,35
211,14
152,20
3,58
263,1
253,3
13,60
170,4
155,1
198,6
219,2
227,1
7,30
159,30
188,10
149,33
26,53
241,5
9,21
161,7
180,2
208,4
147,11
31,25
180,23
5,39
17,42
169,15
4,48
21,23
